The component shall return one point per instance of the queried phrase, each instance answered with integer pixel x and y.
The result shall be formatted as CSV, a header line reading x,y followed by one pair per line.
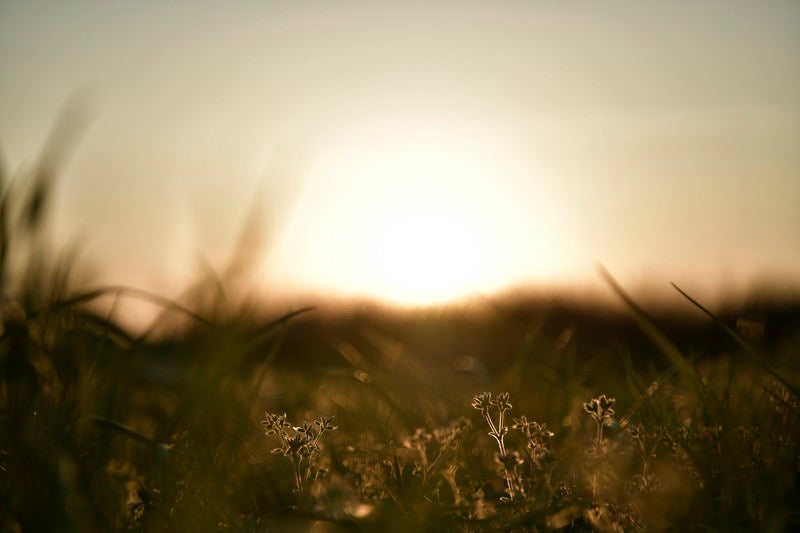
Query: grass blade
x,y
754,356
648,327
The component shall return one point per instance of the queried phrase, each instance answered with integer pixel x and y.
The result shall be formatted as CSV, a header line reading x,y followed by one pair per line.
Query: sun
x,y
428,255
408,218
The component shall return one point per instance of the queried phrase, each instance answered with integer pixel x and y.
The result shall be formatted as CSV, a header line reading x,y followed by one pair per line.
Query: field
x,y
515,413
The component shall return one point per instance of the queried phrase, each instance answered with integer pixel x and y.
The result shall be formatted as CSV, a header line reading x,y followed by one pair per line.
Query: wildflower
x,y
502,402
497,427
274,423
541,431
539,436
600,408
306,429
482,401
636,431
522,424
325,423
298,443
601,411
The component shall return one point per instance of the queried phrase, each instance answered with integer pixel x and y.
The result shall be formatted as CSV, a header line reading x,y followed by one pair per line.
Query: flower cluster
x,y
484,402
299,443
600,409
537,434
436,452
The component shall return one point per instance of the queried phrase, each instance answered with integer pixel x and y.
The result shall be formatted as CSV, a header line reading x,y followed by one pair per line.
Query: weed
x,y
300,444
484,402
601,411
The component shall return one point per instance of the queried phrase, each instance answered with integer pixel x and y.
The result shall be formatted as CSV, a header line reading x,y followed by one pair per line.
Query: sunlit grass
x,y
595,421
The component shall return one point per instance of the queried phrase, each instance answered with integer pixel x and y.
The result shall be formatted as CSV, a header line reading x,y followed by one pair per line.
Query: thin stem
x,y
298,479
509,484
501,437
312,447
489,420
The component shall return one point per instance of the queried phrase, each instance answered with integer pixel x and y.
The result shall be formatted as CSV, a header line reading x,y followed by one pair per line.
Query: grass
x,y
542,414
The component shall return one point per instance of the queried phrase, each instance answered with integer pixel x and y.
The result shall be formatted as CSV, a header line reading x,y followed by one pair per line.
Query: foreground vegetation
x,y
234,425
521,415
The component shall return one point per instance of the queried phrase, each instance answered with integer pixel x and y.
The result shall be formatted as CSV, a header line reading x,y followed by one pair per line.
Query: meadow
x,y
515,414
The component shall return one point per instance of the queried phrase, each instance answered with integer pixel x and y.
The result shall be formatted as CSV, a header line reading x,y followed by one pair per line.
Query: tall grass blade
x,y
648,327
754,356
250,239
67,131
4,235
120,429
92,294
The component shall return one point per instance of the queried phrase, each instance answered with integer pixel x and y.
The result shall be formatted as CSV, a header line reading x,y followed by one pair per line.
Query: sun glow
x,y
417,219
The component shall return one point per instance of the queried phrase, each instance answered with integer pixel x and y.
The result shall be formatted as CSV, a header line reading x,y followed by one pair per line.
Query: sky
x,y
418,151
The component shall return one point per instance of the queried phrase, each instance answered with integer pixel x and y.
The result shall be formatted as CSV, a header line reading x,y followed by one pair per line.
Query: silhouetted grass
x,y
598,418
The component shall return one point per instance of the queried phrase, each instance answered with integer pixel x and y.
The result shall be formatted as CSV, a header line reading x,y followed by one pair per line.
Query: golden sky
x,y
419,151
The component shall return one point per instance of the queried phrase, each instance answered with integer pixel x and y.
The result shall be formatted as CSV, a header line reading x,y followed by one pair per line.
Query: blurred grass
x,y
103,430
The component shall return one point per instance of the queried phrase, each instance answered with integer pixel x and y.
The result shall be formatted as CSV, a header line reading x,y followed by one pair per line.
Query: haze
x,y
419,151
